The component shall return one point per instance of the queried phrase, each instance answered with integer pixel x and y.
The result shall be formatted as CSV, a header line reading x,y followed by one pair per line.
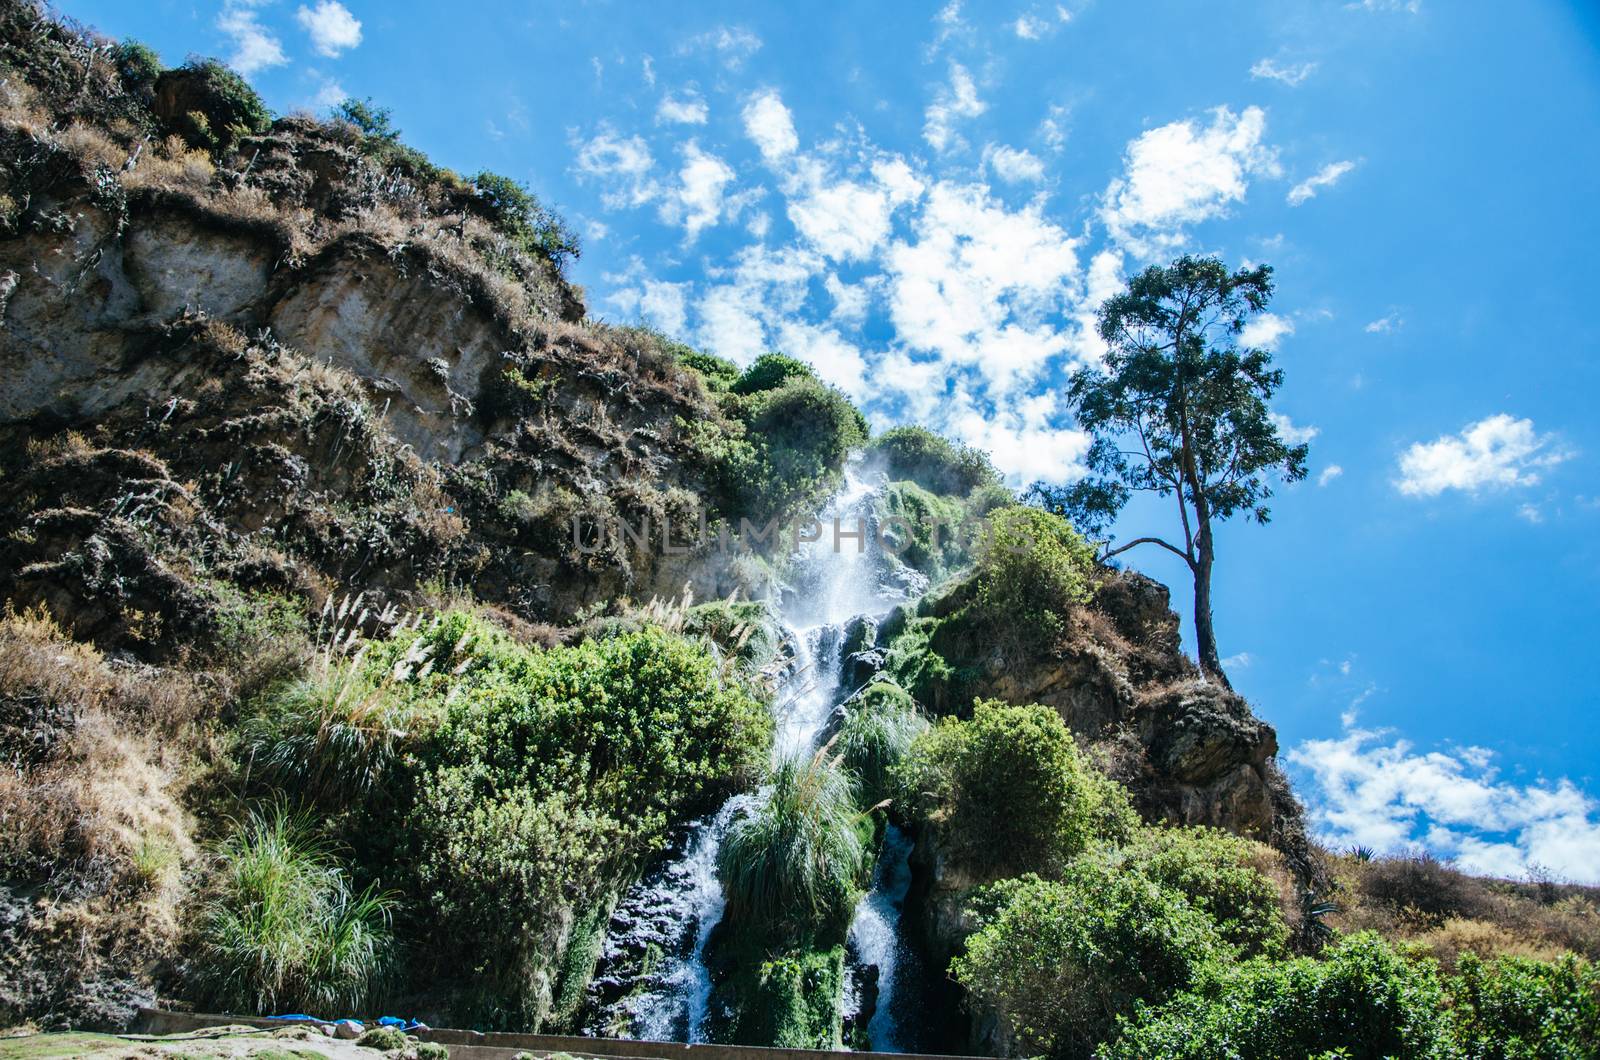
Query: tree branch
x,y
1151,541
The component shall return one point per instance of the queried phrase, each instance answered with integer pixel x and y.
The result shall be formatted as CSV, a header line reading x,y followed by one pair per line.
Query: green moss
x,y
384,1038
578,963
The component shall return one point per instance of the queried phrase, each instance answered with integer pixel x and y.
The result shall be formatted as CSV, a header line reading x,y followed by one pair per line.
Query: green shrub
x,y
879,728
927,532
1519,1009
719,373
138,65
209,105
1213,869
797,1002
1059,961
281,929
932,462
520,216
769,372
384,1039
793,869
375,123
435,1051
1033,569
1010,790
1363,998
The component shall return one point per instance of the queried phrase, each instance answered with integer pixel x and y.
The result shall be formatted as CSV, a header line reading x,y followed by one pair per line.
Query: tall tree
x,y
1179,409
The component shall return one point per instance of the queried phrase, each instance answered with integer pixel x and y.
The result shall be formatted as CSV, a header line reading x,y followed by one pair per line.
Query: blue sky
x,y
928,201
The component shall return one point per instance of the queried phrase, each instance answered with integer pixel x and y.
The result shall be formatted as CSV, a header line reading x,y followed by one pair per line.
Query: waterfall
x,y
652,982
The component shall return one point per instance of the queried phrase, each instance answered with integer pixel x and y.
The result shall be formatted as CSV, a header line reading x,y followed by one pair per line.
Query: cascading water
x,y
652,982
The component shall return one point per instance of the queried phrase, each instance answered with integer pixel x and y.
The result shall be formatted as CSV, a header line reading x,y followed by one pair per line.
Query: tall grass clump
x,y
283,930
794,867
879,728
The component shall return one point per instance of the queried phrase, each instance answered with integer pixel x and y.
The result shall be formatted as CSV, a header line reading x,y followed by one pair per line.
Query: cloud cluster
x,y
1372,790
1184,173
1497,452
332,28
1291,75
951,104
255,48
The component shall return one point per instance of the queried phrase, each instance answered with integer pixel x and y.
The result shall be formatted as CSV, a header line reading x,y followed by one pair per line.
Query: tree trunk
x,y
1204,635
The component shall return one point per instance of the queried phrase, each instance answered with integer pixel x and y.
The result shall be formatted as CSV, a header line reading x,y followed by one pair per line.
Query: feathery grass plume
x,y
879,727
795,864
282,930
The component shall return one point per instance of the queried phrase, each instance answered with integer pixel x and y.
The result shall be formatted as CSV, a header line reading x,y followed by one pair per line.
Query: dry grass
x,y
1420,899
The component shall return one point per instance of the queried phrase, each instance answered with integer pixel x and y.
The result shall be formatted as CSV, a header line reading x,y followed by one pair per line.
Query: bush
x,y
771,371
138,65
1364,998
1011,791
932,462
793,869
374,122
745,631
1059,961
1513,1008
1033,569
879,728
797,1002
384,1039
927,532
719,373
282,930
1213,869
209,105
516,212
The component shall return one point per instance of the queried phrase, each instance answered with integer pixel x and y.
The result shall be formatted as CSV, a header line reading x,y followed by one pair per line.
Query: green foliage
x,y
1518,1009
515,211
931,461
138,65
435,1051
769,372
375,122
384,1039
1011,790
926,531
793,869
282,930
781,451
1059,961
1033,570
719,373
1213,869
1363,998
879,728
797,1002
209,105
745,631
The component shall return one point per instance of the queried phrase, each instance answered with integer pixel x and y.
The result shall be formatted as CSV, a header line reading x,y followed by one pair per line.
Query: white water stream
x,y
652,982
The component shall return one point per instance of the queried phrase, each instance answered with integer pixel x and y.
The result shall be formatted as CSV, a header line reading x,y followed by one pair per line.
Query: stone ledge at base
x,y
502,1045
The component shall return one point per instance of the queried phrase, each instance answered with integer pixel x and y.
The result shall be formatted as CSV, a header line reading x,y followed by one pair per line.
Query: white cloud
x,y
1328,474
1497,452
1384,795
1013,165
849,299
622,165
1184,173
1031,27
1531,513
1410,7
697,202
1240,661
1291,75
953,102
770,126
1052,129
1326,177
1290,433
331,94
837,361
255,48
331,26
655,302
1385,324
686,111
733,44
1264,330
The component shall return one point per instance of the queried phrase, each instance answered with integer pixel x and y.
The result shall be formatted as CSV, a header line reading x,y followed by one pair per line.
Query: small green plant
x,y
138,65
879,728
933,462
1011,790
793,868
386,1039
1033,569
510,207
375,122
281,929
